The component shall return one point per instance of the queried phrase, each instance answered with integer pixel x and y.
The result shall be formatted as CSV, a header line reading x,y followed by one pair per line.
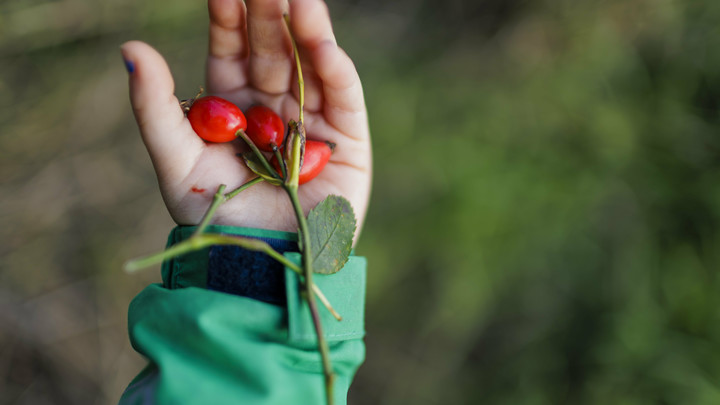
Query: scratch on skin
x,y
196,189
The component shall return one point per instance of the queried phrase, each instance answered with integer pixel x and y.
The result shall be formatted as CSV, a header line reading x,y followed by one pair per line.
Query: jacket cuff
x,y
238,271
210,346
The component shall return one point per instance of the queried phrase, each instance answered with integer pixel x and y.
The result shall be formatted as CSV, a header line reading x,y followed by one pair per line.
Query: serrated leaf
x,y
331,226
253,163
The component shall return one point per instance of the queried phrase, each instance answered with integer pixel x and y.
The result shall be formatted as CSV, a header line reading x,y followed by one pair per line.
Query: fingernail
x,y
129,66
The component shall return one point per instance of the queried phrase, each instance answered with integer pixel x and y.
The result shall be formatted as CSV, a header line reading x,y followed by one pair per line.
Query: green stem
x,y
301,82
218,199
325,301
259,154
281,162
247,185
295,158
291,186
308,273
202,241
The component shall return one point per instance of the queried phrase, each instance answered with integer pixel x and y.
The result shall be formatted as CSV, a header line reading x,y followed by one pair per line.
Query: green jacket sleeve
x,y
211,347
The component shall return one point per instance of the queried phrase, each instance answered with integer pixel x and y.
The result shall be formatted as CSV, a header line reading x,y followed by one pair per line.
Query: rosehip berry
x,y
215,119
317,154
264,127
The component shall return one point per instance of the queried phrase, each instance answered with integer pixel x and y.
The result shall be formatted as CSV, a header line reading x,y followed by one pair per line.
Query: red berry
x,y
264,127
215,119
317,154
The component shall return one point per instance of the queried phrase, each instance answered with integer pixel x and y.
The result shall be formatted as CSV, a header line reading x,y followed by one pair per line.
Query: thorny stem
x,y
291,186
218,199
201,241
308,273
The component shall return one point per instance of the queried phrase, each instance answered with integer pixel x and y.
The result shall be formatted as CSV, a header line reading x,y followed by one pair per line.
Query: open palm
x,y
251,62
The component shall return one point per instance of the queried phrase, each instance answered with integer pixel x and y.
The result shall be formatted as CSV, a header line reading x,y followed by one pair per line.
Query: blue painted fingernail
x,y
129,66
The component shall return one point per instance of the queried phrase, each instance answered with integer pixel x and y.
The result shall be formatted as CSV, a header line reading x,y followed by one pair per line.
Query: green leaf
x,y
331,225
253,163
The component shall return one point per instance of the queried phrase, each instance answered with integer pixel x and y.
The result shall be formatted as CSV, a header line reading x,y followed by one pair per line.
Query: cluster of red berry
x,y
215,119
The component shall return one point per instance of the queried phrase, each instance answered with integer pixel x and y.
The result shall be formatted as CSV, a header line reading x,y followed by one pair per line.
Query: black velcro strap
x,y
235,270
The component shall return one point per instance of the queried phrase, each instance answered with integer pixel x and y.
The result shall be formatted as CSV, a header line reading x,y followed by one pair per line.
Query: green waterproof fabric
x,y
208,347
344,289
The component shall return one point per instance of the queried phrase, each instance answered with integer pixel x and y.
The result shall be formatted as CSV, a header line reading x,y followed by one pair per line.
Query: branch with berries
x,y
282,156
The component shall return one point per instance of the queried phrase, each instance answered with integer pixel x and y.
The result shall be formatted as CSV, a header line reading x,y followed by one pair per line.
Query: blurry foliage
x,y
544,221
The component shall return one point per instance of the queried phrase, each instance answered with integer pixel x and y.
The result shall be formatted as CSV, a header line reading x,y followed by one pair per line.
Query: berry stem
x,y
187,103
257,152
295,160
281,162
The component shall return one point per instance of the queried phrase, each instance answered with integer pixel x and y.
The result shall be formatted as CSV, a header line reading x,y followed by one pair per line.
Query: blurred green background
x,y
544,220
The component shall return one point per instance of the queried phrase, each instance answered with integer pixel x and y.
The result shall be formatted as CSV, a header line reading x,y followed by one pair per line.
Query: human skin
x,y
250,62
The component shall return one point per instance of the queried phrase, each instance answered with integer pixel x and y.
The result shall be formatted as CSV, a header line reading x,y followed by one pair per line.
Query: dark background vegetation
x,y
544,222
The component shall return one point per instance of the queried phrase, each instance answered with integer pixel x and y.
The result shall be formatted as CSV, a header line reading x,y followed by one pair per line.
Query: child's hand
x,y
251,62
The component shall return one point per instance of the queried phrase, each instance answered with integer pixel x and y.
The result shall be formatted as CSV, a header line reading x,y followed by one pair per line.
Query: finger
x,y
270,65
168,136
311,23
228,47
344,103
312,85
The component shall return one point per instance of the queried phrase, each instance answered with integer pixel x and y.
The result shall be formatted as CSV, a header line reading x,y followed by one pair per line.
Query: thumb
x,y
167,134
